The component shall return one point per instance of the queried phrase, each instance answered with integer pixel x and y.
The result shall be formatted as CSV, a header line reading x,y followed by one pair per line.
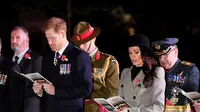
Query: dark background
x,y
154,18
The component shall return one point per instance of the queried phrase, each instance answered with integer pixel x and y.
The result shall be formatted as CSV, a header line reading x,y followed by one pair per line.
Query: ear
x,y
62,34
176,51
94,40
27,39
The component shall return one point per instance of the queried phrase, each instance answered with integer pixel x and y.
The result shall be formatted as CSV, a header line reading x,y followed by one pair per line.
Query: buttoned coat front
x,y
143,99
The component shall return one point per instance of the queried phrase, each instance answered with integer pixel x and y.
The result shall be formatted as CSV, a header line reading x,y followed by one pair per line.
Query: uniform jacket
x,y
105,78
143,99
105,74
7,76
71,77
185,75
30,63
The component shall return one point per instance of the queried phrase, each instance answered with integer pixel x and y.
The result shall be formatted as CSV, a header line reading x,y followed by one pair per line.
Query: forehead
x,y
17,32
50,32
133,48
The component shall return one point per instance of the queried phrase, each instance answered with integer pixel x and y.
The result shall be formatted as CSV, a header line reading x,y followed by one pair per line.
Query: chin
x,y
53,49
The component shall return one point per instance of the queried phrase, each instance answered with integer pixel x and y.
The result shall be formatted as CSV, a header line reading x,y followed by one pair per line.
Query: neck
x,y
64,42
20,51
92,48
140,64
173,63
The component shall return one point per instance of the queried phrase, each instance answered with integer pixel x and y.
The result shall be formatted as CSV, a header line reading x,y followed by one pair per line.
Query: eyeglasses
x,y
167,54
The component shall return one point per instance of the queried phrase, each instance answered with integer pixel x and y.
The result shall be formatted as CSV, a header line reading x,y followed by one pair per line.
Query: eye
x,y
17,37
136,52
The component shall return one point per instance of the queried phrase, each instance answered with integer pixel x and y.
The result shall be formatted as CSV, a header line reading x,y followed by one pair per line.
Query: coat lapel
x,y
25,64
134,90
66,53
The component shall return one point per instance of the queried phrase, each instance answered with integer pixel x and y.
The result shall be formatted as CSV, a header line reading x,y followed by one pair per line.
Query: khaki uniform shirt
x,y
105,78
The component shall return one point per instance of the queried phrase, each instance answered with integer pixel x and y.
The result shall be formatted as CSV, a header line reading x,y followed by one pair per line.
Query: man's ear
x,y
27,39
176,51
62,34
94,39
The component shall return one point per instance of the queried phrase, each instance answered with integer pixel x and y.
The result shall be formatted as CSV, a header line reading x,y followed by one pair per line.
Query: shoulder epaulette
x,y
187,63
111,57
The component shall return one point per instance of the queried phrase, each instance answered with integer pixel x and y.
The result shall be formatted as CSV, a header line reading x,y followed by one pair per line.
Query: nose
x,y
133,56
162,57
13,40
49,41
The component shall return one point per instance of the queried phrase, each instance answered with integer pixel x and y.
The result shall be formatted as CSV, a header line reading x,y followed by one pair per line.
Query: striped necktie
x,y
56,58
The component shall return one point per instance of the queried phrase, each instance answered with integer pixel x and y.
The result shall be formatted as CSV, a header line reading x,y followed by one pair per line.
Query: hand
x,y
122,108
41,82
119,110
197,106
37,88
49,88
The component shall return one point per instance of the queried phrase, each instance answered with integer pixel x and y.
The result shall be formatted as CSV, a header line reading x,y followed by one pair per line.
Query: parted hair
x,y
56,23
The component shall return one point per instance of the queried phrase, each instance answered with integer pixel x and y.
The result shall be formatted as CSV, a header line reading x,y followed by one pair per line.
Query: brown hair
x,y
56,23
150,64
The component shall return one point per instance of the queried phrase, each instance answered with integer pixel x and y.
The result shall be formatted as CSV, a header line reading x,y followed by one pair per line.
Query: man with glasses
x,y
179,74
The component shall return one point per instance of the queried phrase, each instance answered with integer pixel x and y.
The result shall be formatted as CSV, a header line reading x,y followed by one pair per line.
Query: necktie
x,y
16,59
56,58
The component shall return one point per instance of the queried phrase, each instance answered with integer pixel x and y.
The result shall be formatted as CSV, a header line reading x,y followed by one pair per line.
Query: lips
x,y
14,45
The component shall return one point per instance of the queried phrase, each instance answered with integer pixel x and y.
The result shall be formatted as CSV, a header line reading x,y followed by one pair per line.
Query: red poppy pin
x,y
27,56
137,82
64,58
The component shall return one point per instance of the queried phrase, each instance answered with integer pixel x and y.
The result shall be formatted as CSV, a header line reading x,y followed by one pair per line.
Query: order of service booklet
x,y
193,96
34,76
112,103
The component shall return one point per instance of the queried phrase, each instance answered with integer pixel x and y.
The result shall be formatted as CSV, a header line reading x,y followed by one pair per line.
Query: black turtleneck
x,y
134,72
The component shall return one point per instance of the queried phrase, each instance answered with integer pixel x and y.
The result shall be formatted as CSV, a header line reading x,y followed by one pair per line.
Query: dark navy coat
x,y
70,87
184,75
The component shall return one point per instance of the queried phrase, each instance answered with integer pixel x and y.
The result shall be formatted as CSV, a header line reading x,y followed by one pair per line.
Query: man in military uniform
x,y
179,74
8,84
105,67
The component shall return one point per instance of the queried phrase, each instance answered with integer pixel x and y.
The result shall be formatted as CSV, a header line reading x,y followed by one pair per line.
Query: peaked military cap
x,y
162,47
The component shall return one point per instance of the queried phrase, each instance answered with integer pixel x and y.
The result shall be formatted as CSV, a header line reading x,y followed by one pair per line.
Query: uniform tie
x,y
16,59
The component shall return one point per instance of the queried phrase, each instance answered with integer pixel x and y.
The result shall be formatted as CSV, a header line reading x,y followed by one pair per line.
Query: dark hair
x,y
149,66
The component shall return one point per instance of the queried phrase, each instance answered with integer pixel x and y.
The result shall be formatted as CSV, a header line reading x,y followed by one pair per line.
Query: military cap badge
x,y
157,47
78,38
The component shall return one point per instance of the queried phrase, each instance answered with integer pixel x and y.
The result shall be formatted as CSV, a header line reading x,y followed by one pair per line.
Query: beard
x,y
15,48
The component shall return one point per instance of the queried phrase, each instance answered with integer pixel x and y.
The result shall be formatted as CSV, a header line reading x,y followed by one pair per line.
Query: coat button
x,y
134,97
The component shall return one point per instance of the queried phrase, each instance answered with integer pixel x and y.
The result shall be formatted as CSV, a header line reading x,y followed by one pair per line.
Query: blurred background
x,y
118,20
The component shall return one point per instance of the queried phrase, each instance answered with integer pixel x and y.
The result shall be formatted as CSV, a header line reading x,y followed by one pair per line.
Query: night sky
x,y
154,18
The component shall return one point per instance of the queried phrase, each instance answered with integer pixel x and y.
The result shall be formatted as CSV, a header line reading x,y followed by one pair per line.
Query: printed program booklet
x,y
193,96
34,76
112,103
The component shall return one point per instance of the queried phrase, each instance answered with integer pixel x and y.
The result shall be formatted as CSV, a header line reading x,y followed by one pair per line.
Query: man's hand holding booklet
x,y
35,77
194,97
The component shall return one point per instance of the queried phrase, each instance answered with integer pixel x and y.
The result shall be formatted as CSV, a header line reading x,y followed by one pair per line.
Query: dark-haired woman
x,y
143,84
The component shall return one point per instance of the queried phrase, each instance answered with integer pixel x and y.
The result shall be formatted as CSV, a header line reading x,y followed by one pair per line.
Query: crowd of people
x,y
79,72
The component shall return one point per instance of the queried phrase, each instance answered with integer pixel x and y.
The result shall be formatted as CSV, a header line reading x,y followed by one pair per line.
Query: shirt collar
x,y
21,55
93,52
62,49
